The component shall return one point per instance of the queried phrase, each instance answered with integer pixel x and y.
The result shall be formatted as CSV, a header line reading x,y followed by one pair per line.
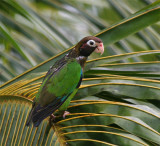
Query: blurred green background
x,y
118,102
32,31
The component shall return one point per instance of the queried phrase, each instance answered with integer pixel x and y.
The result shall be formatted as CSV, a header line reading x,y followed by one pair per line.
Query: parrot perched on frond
x,y
62,81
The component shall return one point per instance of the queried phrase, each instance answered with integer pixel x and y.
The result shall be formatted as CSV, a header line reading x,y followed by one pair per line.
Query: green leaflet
x,y
14,114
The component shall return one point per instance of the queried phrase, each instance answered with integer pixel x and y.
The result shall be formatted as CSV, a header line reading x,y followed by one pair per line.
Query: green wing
x,y
60,83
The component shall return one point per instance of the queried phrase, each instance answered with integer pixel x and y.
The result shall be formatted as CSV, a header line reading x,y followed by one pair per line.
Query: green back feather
x,y
59,83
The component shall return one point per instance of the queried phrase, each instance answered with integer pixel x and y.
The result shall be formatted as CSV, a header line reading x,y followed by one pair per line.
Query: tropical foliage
x,y
118,101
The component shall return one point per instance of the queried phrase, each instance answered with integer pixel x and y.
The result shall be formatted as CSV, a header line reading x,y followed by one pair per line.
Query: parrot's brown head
x,y
88,45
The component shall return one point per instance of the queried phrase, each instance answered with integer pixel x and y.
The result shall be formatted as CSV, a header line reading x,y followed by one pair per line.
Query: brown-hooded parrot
x,y
62,81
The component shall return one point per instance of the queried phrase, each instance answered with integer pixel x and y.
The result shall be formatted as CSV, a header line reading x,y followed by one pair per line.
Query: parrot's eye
x,y
91,43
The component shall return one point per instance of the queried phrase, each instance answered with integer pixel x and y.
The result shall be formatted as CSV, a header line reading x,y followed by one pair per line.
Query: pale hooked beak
x,y
100,48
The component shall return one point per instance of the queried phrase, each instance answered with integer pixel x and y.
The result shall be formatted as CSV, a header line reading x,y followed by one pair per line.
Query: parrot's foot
x,y
52,118
65,113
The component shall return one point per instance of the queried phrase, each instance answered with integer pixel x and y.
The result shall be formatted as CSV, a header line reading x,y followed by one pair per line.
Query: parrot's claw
x,y
52,118
65,113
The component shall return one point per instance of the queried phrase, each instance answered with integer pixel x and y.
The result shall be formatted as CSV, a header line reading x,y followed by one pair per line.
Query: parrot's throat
x,y
82,60
75,54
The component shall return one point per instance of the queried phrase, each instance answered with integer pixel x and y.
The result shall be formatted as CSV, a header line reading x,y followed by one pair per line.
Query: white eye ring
x,y
91,43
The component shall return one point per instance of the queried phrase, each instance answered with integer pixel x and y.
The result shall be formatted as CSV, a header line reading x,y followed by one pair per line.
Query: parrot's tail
x,y
41,113
38,113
